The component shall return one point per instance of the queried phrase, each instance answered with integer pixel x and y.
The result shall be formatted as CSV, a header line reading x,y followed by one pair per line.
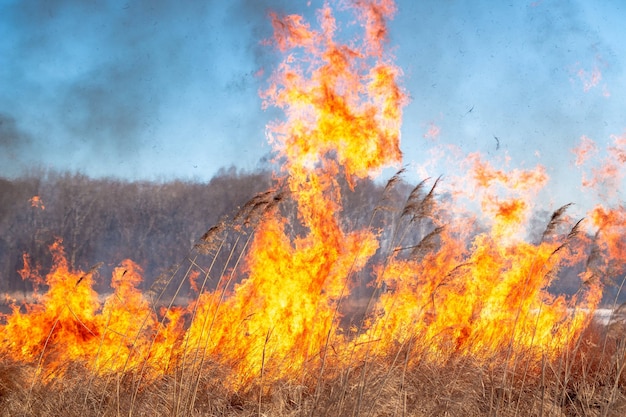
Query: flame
x,y
589,80
488,299
583,151
35,201
433,131
340,115
449,283
606,178
70,324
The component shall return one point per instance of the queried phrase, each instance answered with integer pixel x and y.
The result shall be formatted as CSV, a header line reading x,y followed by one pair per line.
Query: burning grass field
x,y
458,318
407,350
70,353
586,383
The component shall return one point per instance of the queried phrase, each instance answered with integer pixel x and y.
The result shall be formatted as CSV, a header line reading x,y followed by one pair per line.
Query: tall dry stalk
x,y
418,206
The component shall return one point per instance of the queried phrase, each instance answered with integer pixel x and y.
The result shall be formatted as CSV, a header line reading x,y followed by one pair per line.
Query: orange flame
x,y
71,324
445,287
433,131
339,114
583,151
35,201
605,179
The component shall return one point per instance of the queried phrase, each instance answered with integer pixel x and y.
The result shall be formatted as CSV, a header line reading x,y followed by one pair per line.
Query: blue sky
x,y
163,89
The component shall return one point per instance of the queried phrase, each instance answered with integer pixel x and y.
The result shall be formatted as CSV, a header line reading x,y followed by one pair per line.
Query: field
x,y
441,302
71,351
585,379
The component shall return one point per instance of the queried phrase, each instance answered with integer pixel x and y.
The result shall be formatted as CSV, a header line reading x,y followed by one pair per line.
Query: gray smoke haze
x,y
13,140
11,136
521,72
145,88
102,75
102,83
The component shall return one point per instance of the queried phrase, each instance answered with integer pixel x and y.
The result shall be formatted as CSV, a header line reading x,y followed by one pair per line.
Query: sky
x,y
162,89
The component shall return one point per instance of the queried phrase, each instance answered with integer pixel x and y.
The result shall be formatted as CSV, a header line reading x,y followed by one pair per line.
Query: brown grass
x,y
587,380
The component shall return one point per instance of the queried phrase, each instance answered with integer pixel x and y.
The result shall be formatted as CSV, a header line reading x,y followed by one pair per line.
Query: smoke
x,y
88,69
13,140
142,88
11,136
511,72
253,17
99,82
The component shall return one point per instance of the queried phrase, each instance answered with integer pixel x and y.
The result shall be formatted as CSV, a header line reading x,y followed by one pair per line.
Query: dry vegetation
x,y
459,318
110,220
587,381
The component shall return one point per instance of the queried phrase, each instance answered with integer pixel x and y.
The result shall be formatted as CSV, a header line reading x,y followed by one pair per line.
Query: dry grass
x,y
588,380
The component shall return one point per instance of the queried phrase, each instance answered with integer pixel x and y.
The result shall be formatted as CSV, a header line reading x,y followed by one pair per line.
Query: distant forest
x,y
156,224
109,220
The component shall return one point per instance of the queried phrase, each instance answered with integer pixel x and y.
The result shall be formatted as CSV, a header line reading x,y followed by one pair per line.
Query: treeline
x,y
156,224
109,220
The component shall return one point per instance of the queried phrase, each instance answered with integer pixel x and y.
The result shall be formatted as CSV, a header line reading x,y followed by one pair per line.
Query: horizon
x,y
167,92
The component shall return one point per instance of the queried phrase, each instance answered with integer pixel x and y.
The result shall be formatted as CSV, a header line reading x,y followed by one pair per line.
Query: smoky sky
x,y
536,75
152,89
12,137
97,79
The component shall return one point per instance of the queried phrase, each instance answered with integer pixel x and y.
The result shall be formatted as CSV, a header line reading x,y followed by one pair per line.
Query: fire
x,y
69,323
35,201
433,131
450,283
341,115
